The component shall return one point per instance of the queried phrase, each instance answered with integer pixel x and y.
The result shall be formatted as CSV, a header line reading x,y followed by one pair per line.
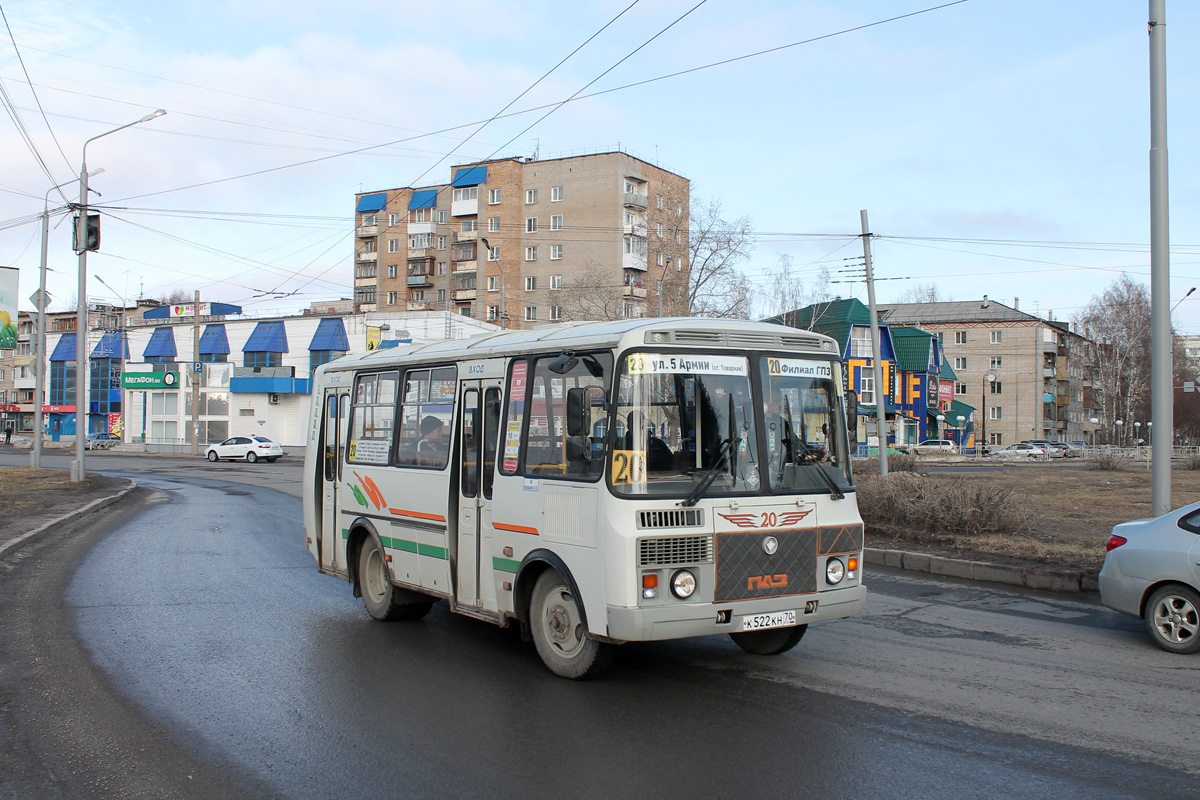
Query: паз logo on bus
x,y
766,582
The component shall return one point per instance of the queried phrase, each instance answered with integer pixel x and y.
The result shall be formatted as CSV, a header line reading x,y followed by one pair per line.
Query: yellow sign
x,y
374,335
628,466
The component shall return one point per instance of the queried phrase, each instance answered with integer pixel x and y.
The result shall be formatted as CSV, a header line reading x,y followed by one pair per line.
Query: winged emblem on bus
x,y
792,517
742,520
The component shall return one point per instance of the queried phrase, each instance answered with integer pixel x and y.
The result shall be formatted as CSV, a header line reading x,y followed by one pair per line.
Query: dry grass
x,y
1069,512
1108,460
26,491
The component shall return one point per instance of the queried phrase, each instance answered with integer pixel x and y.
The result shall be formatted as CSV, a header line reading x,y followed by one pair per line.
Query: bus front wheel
x,y
769,642
384,601
558,631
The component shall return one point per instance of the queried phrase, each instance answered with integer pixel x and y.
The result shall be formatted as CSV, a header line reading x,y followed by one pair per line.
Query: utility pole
x,y
196,375
876,350
1161,391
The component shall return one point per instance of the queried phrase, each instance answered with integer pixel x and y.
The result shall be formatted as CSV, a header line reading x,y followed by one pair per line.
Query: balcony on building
x,y
365,231
465,266
415,228
421,253
635,230
267,380
24,337
419,279
635,200
463,252
466,236
464,208
463,295
25,383
374,256
418,305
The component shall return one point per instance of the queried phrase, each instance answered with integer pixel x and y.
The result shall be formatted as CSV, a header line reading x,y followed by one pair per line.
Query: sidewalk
x,y
34,502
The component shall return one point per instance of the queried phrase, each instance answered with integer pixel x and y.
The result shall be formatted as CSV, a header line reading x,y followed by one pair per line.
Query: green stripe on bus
x,y
399,544
345,533
505,564
431,550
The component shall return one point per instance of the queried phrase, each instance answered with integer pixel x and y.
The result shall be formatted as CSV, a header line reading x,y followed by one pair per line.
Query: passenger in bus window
x,y
434,445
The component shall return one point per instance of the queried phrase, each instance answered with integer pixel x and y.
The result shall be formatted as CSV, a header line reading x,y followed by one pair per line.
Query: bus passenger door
x,y
480,426
336,413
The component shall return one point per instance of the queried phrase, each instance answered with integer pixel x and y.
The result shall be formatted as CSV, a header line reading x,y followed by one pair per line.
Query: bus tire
x,y
380,596
558,631
769,642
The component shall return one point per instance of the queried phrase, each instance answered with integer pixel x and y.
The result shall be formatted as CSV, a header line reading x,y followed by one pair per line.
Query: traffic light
x,y
92,235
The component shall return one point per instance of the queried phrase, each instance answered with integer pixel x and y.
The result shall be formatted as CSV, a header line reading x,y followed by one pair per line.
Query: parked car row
x,y
101,441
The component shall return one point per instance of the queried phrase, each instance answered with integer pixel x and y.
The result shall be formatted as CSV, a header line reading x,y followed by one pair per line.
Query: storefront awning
x,y
161,344
372,202
214,341
470,176
65,349
268,337
330,335
426,198
112,345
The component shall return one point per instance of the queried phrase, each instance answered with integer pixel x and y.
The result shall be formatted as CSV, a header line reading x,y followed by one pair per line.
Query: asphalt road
x,y
189,648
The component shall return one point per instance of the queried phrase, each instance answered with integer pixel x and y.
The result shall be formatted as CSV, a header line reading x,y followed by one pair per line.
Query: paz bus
x,y
593,483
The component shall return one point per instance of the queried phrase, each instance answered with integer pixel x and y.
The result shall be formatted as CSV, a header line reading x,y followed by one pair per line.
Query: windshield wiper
x,y
808,456
710,475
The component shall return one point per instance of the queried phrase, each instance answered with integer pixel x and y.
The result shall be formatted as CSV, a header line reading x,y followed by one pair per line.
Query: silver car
x,y
1152,571
251,448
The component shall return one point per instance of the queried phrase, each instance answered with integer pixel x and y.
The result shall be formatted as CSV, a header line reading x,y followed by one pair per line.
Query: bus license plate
x,y
779,619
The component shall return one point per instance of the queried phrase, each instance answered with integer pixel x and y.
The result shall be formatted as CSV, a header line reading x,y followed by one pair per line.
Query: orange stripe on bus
x,y
515,528
418,514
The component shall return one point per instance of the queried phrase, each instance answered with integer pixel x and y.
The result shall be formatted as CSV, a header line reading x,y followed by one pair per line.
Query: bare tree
x,y
789,288
717,250
594,293
923,293
1117,327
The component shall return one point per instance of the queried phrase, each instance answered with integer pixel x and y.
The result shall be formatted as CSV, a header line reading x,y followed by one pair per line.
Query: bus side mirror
x,y
576,411
852,419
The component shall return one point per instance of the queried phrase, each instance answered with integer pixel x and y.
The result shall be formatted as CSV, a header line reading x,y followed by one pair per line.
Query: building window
x,y
555,252
469,225
420,241
555,312
996,438
556,194
658,201
369,246
393,245
416,215
493,197
866,390
393,271
531,283
493,224
531,254
418,295
530,196
530,313
493,284
464,311
494,253
996,412
556,222
393,220
531,224
441,268
441,243
442,217
493,313
658,230
370,219
315,359
960,388
466,193
365,271
860,343
960,337
997,387
556,281
635,245
997,337
264,358
631,187
997,362
441,296
364,295
391,298
960,362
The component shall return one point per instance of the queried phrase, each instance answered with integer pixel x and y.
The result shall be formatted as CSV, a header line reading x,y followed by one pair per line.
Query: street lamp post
x,y
1119,423
1094,422
961,428
78,472
1137,434
988,378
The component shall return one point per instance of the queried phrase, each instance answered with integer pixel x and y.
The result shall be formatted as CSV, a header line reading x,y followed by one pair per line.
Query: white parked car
x,y
251,448
935,446
1021,450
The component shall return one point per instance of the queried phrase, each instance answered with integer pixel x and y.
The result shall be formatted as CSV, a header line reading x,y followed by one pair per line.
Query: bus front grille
x,y
766,564
671,518
668,551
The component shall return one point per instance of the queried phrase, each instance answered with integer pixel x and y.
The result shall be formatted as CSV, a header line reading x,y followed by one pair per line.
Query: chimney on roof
x,y
1016,304
985,302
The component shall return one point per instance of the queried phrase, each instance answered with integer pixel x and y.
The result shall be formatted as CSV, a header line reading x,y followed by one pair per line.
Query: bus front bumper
x,y
681,620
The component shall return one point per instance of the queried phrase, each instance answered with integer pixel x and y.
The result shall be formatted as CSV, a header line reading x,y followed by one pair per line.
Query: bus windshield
x,y
802,419
683,422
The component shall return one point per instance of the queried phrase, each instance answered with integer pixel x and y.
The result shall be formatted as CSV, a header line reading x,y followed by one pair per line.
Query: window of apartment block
x,y
997,362
393,220
635,245
556,222
441,268
531,254
995,412
393,245
531,283
493,224
997,337
996,438
493,197
997,387
660,259
464,311
494,253
555,312
631,187
391,298
530,196
556,281
960,388
393,271
960,362
420,241
658,203
531,224
493,313
556,194
416,215
466,193
530,313
442,217
370,219
555,252
633,311
960,337
468,225
658,230
441,295
493,284
369,246
441,243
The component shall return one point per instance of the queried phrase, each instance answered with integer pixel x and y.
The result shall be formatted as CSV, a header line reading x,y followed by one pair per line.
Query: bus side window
x,y
469,466
491,431
552,449
426,417
331,437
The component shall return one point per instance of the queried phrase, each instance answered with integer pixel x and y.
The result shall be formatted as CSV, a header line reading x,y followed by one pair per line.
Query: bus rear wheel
x,y
384,601
770,642
558,631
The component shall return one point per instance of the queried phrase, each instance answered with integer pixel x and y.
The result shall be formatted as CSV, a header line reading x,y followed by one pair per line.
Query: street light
x,y
1185,297
1094,422
988,378
1137,434
1119,423
961,420
78,472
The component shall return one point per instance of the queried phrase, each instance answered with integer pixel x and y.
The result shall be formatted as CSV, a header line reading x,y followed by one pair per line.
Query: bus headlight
x,y
835,570
683,584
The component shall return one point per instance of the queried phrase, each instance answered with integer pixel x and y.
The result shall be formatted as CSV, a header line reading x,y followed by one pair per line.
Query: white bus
x,y
596,483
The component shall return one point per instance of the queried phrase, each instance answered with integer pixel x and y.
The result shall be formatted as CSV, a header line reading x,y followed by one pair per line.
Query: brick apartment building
x,y
522,241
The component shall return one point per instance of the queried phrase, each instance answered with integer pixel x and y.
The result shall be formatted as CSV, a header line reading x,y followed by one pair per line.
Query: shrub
x,y
1107,460
1192,461
903,462
939,505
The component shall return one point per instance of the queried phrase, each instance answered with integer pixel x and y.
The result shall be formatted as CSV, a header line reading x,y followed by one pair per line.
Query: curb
x,y
12,546
1051,580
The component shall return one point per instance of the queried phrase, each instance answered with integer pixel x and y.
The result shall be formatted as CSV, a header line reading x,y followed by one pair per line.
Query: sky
x,y
1000,147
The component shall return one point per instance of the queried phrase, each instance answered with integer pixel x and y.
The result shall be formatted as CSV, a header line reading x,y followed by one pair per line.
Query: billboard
x,y
8,307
